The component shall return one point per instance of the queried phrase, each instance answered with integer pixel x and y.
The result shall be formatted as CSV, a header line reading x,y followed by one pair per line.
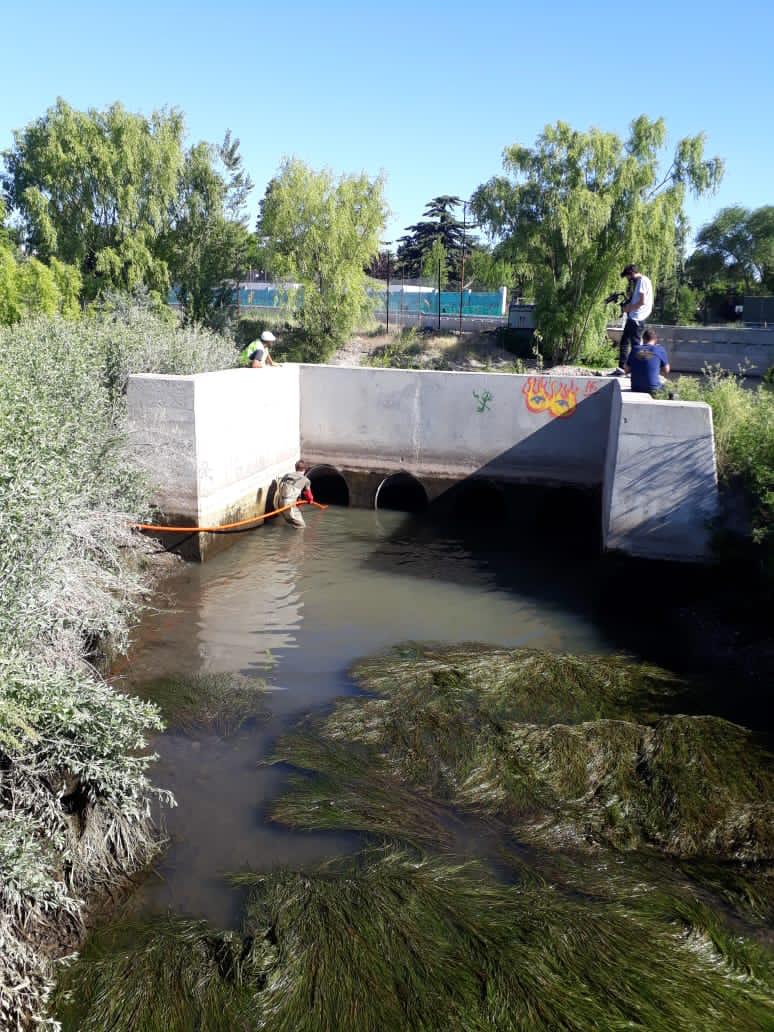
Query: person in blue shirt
x,y
645,364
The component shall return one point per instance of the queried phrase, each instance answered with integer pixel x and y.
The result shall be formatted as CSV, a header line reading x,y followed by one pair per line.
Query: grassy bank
x,y
75,799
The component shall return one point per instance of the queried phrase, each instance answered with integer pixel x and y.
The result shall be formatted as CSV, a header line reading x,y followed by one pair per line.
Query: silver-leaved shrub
x,y
75,799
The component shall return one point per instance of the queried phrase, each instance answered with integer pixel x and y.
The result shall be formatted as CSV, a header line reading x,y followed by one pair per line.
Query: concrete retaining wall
x,y
690,348
213,443
660,487
518,428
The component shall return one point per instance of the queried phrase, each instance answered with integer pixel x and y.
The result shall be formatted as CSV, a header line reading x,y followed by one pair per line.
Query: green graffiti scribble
x,y
483,400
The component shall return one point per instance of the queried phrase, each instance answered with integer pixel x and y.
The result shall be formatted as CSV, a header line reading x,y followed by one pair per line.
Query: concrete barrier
x,y
691,348
214,443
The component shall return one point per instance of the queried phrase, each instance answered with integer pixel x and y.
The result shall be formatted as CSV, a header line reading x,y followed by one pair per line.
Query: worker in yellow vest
x,y
256,354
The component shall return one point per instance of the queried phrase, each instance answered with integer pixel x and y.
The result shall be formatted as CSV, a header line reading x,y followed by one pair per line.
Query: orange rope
x,y
224,526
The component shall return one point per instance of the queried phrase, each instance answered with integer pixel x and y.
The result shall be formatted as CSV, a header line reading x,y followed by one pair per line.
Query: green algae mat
x,y
549,846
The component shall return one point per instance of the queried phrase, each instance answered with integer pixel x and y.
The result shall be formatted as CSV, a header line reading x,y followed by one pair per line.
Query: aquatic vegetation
x,y
167,975
543,743
221,703
593,926
395,939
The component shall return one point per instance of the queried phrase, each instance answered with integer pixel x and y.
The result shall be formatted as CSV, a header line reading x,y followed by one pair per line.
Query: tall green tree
x,y
435,264
208,246
737,247
578,205
27,286
94,188
440,222
323,231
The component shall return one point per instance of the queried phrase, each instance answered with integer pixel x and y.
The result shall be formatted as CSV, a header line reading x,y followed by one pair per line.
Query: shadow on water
x,y
544,544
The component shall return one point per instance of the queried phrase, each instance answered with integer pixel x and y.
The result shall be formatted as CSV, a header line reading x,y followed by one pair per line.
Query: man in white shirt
x,y
637,309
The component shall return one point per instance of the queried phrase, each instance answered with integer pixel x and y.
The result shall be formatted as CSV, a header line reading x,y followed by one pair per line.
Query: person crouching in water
x,y
645,364
292,487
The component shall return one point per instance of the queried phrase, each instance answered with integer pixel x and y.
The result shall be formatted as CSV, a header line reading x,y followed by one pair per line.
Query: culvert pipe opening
x,y
401,492
328,485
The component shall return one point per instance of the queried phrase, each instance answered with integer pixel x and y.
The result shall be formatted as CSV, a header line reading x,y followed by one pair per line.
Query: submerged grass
x,y
394,939
597,926
220,703
544,743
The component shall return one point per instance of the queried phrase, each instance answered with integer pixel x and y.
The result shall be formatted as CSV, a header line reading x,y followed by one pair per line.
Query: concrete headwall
x,y
520,428
213,443
660,487
691,348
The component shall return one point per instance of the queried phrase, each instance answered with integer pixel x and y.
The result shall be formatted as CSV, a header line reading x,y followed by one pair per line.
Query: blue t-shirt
x,y
645,362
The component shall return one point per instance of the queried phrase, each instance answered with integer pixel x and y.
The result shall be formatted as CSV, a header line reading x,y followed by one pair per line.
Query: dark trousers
x,y
632,334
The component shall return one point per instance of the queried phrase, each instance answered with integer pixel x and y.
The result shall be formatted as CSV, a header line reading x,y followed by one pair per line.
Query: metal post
x,y
462,270
439,295
387,244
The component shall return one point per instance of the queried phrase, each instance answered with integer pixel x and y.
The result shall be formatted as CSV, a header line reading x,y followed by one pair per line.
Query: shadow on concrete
x,y
683,506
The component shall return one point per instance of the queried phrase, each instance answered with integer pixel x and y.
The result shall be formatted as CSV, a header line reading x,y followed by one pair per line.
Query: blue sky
x,y
428,93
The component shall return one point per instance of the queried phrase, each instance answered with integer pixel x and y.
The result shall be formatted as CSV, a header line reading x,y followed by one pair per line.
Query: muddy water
x,y
296,608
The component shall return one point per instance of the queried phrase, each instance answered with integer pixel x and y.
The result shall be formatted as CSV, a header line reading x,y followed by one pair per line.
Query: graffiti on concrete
x,y
483,400
558,397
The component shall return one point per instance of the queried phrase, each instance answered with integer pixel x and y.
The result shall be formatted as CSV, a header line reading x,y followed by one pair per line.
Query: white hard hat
x,y
268,336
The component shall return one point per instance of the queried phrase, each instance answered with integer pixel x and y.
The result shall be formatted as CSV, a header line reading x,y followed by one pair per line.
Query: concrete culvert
x,y
328,485
401,492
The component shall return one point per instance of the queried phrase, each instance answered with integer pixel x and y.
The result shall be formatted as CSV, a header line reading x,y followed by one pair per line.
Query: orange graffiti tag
x,y
558,399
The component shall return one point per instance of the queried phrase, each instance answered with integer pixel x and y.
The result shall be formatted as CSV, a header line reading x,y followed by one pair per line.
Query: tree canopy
x,y
94,188
577,206
207,245
439,224
322,231
737,247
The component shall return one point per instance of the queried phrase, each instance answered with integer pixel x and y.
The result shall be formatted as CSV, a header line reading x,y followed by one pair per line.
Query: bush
x,y
603,354
75,799
744,440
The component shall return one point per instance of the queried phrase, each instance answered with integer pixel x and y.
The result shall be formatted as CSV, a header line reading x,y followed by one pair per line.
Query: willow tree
x,y
94,188
323,231
737,246
208,246
579,205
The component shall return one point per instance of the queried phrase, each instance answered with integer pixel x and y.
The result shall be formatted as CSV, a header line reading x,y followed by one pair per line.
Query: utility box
x,y
521,315
758,311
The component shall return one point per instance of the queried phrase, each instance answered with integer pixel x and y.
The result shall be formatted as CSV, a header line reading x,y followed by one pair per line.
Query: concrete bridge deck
x,y
214,443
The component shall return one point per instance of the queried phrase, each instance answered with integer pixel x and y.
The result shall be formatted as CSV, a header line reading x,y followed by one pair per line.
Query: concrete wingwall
x,y
533,429
212,444
660,486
